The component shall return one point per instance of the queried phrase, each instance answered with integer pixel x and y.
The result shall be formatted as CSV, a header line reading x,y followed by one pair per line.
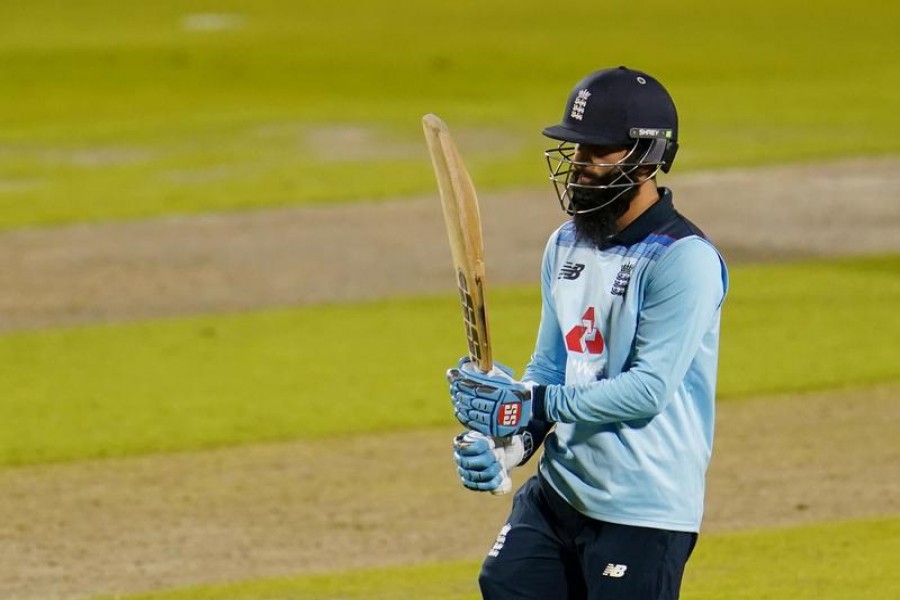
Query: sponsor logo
x,y
649,132
612,570
585,338
579,105
622,279
501,540
584,369
570,270
510,414
468,308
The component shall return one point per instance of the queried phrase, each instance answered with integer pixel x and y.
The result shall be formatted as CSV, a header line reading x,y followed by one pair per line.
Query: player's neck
x,y
647,196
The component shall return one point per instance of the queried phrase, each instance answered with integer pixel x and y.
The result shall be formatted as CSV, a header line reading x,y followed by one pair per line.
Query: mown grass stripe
x,y
337,370
110,112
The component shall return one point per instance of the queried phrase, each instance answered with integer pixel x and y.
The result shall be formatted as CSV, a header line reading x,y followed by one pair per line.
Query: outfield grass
x,y
125,109
833,561
815,325
190,383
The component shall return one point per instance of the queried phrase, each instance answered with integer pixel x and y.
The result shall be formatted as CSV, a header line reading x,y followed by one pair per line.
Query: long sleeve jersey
x,y
626,359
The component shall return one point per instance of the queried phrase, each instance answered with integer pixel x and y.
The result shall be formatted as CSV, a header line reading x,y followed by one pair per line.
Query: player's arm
x,y
683,295
496,403
548,362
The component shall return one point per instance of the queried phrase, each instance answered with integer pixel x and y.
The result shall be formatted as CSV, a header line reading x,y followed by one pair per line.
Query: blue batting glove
x,y
478,467
493,403
485,464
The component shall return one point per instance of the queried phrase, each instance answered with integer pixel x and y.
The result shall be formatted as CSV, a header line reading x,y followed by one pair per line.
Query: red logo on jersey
x,y
585,338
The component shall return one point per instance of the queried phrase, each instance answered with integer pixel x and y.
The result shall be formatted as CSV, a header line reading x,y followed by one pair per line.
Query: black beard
x,y
596,227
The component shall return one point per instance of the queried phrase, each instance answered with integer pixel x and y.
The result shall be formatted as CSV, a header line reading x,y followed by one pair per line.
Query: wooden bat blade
x,y
462,218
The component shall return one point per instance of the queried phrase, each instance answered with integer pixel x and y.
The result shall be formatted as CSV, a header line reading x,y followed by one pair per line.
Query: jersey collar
x,y
648,221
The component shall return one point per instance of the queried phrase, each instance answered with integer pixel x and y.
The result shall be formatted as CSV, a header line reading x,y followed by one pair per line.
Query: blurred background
x,y
226,301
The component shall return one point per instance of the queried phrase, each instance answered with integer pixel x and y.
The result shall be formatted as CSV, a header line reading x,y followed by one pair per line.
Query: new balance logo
x,y
570,270
612,570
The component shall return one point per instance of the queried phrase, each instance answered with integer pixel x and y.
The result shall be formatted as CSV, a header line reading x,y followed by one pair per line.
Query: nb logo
x,y
612,570
570,270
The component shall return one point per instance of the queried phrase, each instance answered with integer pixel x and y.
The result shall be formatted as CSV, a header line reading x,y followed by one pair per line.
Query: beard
x,y
596,227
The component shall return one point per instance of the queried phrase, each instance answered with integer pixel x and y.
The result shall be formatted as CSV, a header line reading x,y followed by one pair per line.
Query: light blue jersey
x,y
627,349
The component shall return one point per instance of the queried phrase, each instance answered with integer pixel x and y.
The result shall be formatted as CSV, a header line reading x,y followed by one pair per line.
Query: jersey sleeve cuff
x,y
539,403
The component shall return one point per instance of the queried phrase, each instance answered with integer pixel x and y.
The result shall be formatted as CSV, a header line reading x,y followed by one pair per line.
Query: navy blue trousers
x,y
549,551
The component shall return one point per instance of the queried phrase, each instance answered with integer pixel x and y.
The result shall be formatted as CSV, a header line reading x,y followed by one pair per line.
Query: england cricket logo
x,y
501,540
579,105
620,285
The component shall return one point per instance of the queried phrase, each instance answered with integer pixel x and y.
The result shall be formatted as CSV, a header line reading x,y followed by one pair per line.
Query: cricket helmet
x,y
614,108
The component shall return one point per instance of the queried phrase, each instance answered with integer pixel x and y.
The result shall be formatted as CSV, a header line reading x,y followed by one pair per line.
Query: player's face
x,y
596,177
598,208
597,156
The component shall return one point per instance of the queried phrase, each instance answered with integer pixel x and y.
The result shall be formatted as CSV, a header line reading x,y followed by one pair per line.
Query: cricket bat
x,y
463,220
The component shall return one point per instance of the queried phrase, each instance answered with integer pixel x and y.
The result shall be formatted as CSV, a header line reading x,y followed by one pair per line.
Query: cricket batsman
x,y
620,389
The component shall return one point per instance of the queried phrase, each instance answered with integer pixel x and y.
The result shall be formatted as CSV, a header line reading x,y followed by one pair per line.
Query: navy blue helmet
x,y
614,108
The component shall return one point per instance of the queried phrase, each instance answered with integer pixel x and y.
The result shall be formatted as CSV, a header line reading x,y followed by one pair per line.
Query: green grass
x,y
320,371
126,109
208,381
811,325
442,581
855,559
834,561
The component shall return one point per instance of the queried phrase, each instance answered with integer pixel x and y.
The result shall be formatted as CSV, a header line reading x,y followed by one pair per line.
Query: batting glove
x,y
485,464
492,403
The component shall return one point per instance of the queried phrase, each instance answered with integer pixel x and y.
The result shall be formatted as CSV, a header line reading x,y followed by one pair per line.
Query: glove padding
x,y
485,464
492,403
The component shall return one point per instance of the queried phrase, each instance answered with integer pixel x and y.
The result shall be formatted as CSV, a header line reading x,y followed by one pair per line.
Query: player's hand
x,y
484,465
492,403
